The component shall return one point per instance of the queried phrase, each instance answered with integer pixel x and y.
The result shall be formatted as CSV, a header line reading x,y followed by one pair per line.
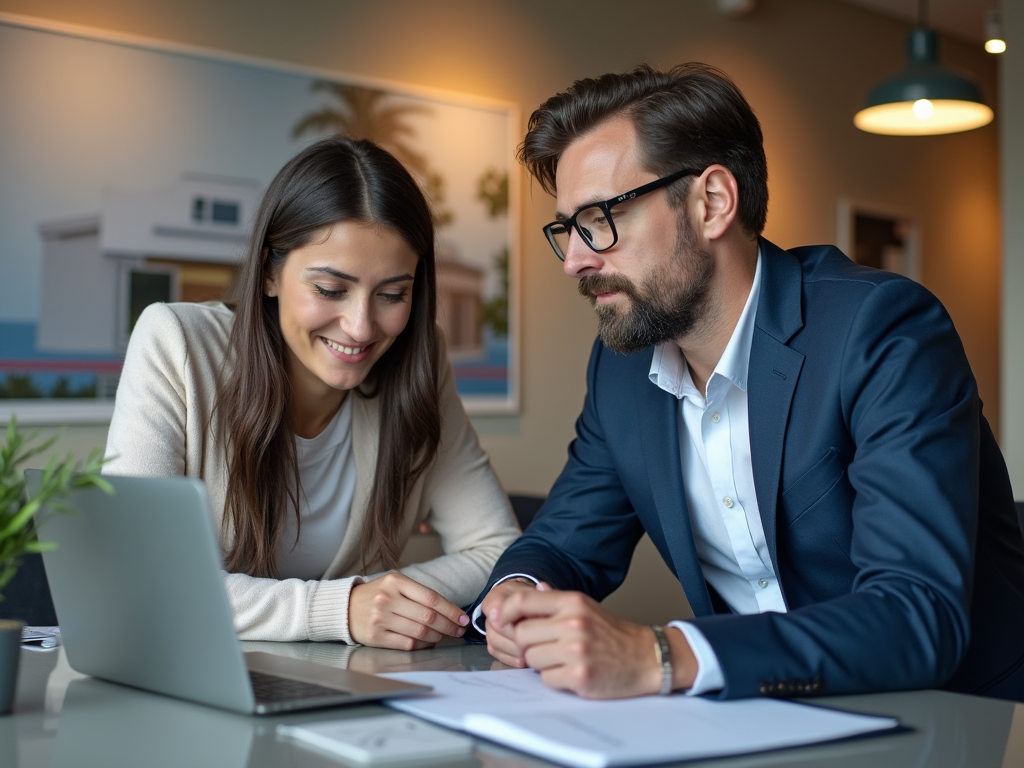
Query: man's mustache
x,y
591,285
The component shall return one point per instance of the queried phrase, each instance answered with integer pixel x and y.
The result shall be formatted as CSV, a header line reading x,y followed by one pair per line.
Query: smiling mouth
x,y
346,350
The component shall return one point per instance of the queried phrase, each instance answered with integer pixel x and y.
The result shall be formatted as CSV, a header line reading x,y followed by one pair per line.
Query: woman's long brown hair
x,y
333,180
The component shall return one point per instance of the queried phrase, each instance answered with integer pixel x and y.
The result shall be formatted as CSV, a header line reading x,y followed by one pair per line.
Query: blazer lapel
x,y
658,416
772,378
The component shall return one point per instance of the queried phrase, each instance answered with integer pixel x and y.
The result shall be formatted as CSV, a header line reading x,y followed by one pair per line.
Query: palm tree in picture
x,y
368,113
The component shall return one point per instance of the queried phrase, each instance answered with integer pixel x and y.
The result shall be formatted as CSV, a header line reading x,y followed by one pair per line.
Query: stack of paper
x,y
514,708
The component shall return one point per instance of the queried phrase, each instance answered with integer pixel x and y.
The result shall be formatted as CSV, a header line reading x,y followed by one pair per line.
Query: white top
x,y
327,473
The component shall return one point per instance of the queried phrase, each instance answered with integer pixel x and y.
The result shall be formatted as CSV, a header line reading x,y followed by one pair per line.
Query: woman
x,y
321,412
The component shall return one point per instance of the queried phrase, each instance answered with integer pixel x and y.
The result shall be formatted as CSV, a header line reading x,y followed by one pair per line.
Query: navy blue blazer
x,y
885,501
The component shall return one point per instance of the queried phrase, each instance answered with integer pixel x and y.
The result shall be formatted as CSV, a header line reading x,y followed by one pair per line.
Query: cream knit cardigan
x,y
162,425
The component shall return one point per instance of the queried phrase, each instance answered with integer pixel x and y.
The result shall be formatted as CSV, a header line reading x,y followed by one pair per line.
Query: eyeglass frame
x,y
606,207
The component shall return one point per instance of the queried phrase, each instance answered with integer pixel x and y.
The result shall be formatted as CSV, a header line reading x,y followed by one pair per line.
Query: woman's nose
x,y
357,320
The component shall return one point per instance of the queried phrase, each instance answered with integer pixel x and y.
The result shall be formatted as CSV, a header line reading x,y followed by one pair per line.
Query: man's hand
x,y
396,612
578,646
501,643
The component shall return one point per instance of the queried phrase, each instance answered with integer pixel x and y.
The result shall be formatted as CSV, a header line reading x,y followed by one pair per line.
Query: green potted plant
x,y
17,533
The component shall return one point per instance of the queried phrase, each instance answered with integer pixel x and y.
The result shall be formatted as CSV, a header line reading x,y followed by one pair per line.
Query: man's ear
x,y
720,199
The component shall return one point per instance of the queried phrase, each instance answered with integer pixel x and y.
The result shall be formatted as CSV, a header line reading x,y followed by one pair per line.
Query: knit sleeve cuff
x,y
328,610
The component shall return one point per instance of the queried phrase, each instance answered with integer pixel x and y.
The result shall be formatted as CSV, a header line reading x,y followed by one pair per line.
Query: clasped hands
x,y
578,646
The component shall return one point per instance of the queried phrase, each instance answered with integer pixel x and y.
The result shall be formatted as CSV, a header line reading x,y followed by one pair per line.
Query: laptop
x,y
138,589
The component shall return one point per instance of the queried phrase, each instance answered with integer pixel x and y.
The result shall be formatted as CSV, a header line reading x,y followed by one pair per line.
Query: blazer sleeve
x,y
468,507
584,535
909,403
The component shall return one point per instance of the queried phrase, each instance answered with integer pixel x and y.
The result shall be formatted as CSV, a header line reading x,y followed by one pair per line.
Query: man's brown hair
x,y
692,116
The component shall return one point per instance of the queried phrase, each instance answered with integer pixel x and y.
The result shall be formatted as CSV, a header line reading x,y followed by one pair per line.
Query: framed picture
x,y
879,236
130,170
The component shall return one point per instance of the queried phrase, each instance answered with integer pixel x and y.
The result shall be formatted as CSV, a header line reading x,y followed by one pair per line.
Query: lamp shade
x,y
925,98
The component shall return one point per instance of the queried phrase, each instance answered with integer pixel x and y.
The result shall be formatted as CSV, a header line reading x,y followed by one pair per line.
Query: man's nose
x,y
580,258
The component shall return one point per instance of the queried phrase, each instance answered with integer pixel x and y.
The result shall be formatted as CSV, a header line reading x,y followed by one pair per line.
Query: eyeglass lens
x,y
593,225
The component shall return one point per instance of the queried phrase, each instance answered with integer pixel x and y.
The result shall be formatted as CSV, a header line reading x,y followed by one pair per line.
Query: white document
x,y
514,708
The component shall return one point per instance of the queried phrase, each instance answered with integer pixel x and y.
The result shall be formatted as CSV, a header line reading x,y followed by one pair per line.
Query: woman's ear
x,y
270,286
270,283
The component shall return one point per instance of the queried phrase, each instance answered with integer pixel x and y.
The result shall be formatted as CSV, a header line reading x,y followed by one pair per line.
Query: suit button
x,y
764,689
817,684
782,688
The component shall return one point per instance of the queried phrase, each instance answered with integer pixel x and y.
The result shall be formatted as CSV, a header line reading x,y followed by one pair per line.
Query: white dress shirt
x,y
718,481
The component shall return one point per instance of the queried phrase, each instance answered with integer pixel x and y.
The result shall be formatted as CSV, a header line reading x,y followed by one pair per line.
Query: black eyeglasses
x,y
595,222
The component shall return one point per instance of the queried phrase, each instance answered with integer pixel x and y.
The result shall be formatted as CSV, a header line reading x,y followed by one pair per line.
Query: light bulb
x,y
923,109
994,42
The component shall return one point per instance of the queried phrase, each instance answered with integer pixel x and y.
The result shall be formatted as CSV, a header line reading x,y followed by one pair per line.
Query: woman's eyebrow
x,y
352,278
334,273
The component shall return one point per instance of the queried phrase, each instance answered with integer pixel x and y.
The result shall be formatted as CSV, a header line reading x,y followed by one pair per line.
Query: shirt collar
x,y
668,367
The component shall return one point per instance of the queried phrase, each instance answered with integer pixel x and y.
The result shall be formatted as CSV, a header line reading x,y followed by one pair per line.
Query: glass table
x,y
64,720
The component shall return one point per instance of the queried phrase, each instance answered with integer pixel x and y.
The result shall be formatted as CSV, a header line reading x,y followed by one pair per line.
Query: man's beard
x,y
665,306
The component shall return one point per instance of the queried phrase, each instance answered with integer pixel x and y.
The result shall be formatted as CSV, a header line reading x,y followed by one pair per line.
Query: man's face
x,y
654,284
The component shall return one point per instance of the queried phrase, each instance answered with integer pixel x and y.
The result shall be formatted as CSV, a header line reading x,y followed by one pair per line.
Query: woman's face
x,y
342,300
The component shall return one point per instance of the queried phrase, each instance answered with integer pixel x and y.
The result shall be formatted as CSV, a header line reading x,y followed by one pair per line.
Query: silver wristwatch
x,y
663,653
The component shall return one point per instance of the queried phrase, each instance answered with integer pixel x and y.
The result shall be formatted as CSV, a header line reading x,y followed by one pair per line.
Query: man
x,y
800,436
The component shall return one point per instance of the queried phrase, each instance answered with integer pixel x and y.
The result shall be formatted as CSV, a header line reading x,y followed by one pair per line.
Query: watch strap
x,y
663,653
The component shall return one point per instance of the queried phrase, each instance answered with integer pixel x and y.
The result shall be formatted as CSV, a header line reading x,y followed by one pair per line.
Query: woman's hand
x,y
396,612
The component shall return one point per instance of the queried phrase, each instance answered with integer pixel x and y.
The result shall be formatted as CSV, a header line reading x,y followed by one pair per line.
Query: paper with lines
x,y
514,708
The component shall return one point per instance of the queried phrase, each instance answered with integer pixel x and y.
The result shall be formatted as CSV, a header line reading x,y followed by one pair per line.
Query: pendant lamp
x,y
925,98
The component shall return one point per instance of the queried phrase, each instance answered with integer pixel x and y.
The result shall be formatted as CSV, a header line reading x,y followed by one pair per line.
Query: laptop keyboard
x,y
270,688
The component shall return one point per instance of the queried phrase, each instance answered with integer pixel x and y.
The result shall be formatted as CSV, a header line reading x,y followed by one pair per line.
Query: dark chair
x,y
525,507
27,595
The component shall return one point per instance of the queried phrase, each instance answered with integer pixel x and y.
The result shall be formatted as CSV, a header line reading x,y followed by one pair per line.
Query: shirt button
x,y
715,417
728,502
762,583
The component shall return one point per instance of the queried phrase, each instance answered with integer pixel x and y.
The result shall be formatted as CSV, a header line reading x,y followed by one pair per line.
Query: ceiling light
x,y
925,98
994,42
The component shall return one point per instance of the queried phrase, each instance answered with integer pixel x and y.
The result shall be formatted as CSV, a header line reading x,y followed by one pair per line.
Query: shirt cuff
x,y
709,671
480,606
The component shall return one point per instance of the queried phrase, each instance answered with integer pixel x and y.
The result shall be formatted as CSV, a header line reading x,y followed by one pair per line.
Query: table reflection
x,y
63,719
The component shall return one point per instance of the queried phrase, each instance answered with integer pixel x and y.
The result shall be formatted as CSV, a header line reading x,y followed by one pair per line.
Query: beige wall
x,y
805,65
